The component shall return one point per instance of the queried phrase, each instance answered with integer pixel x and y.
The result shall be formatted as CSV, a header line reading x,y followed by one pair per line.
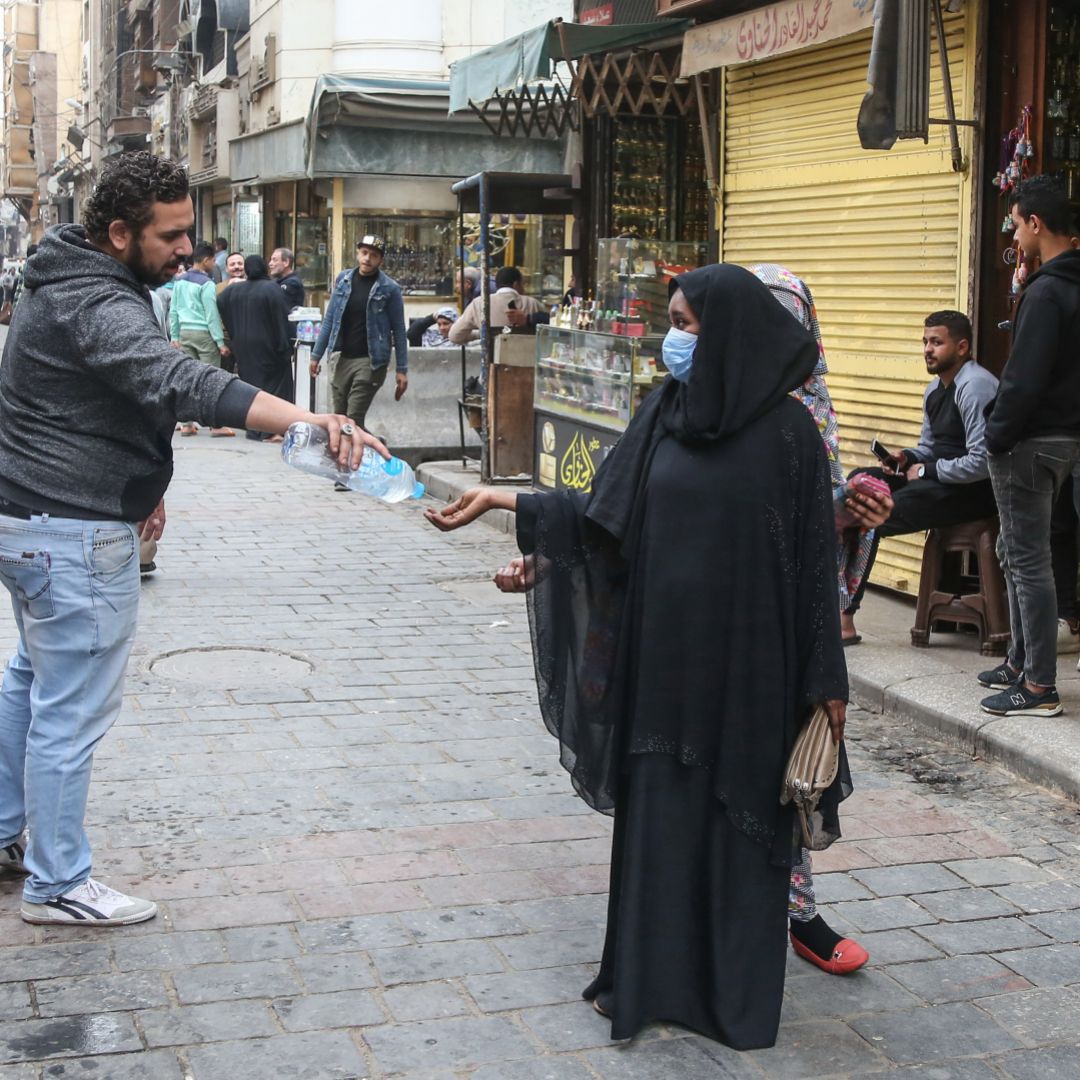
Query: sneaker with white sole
x,y
1068,637
1020,701
90,904
11,857
1000,678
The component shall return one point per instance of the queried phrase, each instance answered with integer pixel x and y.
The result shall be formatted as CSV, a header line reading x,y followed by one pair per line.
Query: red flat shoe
x,y
848,956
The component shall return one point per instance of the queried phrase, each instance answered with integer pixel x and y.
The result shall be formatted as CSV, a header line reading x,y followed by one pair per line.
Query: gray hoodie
x,y
90,391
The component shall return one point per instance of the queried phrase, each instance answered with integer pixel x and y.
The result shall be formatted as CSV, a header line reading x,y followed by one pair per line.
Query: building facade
x,y
41,80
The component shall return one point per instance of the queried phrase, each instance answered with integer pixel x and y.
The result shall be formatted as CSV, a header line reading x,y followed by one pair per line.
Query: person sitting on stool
x,y
945,480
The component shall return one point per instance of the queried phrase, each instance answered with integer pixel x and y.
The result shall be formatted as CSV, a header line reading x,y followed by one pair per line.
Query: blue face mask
x,y
678,353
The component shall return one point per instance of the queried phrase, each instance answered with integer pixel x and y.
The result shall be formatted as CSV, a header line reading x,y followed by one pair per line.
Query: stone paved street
x,y
370,863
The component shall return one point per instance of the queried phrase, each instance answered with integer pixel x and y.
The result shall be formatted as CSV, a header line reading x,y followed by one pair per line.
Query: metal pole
x,y
459,257
485,332
946,83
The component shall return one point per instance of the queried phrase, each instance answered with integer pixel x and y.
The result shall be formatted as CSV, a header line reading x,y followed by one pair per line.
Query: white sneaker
x,y
11,857
90,904
1068,639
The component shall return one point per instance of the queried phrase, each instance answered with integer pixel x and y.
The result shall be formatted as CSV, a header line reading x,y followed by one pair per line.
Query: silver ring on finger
x,y
348,429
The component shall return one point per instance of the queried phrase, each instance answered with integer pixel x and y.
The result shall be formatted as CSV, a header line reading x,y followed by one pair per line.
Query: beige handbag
x,y
810,769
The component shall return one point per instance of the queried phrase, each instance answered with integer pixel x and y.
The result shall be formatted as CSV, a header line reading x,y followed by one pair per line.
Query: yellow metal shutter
x,y
882,238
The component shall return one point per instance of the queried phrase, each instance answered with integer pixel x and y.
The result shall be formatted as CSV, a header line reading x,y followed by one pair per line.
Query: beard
x,y
149,275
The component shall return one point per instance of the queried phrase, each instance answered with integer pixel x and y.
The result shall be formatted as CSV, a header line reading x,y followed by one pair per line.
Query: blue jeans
x,y
74,589
1026,481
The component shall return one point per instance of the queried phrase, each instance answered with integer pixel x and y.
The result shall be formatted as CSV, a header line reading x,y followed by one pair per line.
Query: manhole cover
x,y
228,668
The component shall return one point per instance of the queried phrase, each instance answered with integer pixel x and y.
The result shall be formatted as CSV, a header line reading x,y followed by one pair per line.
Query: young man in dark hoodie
x,y
90,390
1033,435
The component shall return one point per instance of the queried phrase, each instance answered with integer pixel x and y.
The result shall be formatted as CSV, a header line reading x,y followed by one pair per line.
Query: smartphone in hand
x,y
886,457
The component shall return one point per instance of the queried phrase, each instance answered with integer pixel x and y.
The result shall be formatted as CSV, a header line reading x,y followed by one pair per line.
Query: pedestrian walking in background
x,y
282,266
1033,435
194,322
221,253
364,320
684,623
162,299
234,270
31,249
255,313
89,394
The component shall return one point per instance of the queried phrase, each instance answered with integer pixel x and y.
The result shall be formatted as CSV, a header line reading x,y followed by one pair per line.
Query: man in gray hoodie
x,y
90,391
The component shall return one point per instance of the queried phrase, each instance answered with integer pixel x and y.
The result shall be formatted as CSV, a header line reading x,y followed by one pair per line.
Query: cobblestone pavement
x,y
376,868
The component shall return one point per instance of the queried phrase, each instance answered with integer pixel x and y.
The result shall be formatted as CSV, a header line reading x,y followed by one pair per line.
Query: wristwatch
x,y
920,472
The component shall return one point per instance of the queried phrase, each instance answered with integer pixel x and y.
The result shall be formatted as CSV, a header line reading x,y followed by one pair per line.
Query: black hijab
x,y
255,268
750,355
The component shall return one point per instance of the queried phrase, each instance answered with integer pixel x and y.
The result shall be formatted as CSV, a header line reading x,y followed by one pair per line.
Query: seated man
x,y
431,331
945,480
509,307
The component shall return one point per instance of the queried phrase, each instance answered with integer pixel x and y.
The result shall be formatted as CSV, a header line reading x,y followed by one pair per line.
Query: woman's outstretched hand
x,y
837,711
464,509
517,576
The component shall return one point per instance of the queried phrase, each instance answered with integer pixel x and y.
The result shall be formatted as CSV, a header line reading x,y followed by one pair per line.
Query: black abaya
x,y
255,314
684,622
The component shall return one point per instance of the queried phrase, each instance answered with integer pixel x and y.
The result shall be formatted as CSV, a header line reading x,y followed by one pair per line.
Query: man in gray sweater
x,y
945,480
90,391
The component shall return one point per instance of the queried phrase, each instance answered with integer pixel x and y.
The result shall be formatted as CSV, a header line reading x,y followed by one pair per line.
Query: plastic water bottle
x,y
307,448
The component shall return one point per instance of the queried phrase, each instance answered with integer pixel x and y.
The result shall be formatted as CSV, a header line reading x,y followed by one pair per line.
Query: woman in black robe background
x,y
684,623
256,317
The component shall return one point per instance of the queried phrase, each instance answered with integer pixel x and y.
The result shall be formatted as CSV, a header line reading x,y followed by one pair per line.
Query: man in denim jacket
x,y
365,317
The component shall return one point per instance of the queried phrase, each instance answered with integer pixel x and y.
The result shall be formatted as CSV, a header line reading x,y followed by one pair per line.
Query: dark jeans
x,y
1064,538
925,504
1027,481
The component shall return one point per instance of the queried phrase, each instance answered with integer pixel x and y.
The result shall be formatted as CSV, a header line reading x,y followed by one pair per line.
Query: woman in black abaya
x,y
256,317
684,624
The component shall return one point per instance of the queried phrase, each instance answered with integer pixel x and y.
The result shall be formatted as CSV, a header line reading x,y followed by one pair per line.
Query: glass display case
x,y
597,377
588,386
632,279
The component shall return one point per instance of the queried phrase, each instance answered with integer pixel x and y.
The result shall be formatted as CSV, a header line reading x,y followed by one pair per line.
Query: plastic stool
x,y
987,609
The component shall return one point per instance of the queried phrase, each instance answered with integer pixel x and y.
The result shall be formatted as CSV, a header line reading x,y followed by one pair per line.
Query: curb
x,y
1022,745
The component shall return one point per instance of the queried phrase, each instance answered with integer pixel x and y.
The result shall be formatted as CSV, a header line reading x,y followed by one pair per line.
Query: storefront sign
x,y
773,30
601,15
568,454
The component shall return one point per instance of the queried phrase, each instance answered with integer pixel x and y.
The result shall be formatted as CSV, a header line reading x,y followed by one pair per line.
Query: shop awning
x,y
528,59
401,127
268,156
771,31
349,99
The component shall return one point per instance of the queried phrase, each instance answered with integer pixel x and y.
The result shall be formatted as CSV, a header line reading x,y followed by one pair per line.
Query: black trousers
x,y
921,505
1063,549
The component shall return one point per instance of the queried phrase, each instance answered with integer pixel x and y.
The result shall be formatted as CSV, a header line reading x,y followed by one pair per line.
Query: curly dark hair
x,y
127,189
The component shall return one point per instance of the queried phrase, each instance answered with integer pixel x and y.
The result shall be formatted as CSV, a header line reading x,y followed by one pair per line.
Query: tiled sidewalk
x,y
378,869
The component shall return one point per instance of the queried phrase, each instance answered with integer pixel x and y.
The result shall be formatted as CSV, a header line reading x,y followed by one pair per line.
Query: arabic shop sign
x,y
771,31
568,455
600,15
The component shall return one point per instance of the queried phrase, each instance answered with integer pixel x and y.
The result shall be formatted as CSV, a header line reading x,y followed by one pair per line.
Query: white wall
x,y
395,38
